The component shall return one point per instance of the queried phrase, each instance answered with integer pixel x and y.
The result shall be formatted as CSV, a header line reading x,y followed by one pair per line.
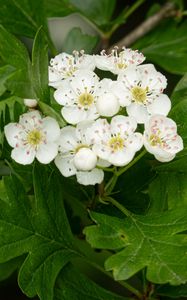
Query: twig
x,y
167,10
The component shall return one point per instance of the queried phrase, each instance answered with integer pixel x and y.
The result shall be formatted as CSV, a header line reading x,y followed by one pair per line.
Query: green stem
x,y
123,283
134,161
119,206
112,182
127,14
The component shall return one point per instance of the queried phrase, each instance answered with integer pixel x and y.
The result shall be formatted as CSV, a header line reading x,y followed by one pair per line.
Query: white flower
x,y
78,96
31,103
118,62
110,96
76,156
143,86
161,138
33,137
116,143
64,65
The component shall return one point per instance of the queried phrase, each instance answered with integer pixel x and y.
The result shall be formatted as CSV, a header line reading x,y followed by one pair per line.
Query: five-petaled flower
x,y
32,137
161,138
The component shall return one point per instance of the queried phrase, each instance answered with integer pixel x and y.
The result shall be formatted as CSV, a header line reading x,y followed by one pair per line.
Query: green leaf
x,y
98,11
22,17
172,291
13,53
40,65
180,92
76,40
143,241
49,111
38,228
72,284
7,268
166,46
5,72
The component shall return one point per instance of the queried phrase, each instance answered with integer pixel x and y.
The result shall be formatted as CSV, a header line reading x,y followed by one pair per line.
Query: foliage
x,y
62,238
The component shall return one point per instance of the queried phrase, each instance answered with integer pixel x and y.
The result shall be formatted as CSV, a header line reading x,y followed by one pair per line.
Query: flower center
x,y
155,140
139,94
121,65
86,99
116,143
34,137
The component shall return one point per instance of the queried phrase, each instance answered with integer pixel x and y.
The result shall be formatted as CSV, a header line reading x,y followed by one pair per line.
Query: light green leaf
x,y
5,72
166,46
76,40
39,229
72,285
143,241
49,111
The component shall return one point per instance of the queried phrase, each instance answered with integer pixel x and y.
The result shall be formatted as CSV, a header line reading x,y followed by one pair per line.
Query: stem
x,y
168,10
137,158
119,206
127,14
123,283
112,182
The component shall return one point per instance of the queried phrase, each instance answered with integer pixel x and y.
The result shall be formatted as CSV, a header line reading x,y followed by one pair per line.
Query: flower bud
x,y
85,159
31,103
107,105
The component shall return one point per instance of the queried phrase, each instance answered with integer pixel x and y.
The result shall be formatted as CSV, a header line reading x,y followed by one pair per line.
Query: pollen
x,y
116,143
34,137
139,94
155,140
86,99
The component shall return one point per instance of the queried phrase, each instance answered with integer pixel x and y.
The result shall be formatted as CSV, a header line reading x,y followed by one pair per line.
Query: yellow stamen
x,y
116,143
34,137
139,94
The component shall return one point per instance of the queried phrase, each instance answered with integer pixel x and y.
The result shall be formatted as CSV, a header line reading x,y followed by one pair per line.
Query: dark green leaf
x,y
76,40
39,228
173,291
40,66
166,46
49,111
72,285
143,241
7,268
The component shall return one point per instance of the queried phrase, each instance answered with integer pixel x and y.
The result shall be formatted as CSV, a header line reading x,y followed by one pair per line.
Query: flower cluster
x,y
102,116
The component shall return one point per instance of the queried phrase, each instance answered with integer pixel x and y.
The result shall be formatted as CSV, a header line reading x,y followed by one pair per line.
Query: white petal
x,y
12,133
31,119
65,95
86,62
98,132
102,151
84,79
123,125
23,155
68,140
139,112
103,163
107,105
121,93
65,165
103,62
161,105
166,158
152,79
73,115
90,178
135,142
51,129
47,152
121,158
30,102
85,159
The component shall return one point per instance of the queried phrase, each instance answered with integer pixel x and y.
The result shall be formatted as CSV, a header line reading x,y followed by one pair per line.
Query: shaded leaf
x,y
39,228
143,241
76,40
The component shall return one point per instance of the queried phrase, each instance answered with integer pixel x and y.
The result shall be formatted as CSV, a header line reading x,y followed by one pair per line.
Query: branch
x,y
167,10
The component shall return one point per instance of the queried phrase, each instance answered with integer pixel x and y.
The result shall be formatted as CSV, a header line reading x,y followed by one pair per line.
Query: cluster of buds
x,y
102,116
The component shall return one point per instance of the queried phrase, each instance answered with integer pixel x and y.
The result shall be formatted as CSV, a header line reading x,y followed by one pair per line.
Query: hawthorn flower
x,y
118,62
32,137
144,86
161,138
64,65
76,156
78,97
116,142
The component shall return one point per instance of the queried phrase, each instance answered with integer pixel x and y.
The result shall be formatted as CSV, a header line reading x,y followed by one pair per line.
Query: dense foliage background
x,y
43,216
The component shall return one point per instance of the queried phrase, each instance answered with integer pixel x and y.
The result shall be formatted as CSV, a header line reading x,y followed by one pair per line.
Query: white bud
x,y
107,105
30,102
85,159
